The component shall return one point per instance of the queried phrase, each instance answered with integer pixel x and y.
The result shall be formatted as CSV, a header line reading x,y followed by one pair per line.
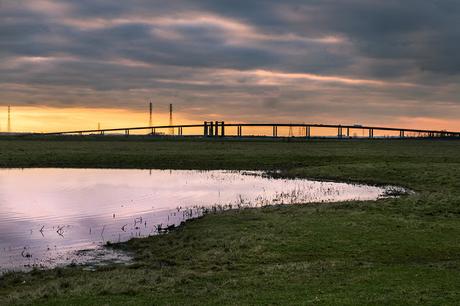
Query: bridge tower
x,y
150,114
171,130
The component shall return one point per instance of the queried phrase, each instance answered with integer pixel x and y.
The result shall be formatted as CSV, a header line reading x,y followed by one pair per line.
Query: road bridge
x,y
306,130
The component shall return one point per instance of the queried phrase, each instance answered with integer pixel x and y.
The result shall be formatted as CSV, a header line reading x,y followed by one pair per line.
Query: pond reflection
x,y
48,214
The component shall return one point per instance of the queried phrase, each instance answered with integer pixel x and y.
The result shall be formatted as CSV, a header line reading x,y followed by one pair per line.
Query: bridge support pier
x,y
371,133
401,134
339,132
275,131
308,131
348,132
212,128
239,130
205,129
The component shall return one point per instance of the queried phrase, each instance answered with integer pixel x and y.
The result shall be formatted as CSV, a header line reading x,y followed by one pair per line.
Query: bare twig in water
x,y
137,220
41,231
60,231
102,232
25,254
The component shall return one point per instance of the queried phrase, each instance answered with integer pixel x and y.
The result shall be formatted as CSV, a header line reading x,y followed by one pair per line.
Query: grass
x,y
392,251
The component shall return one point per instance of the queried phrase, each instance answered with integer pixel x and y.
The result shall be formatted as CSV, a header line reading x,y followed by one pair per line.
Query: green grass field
x,y
392,251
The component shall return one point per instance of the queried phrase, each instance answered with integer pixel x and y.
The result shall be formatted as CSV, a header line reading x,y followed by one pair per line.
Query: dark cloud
x,y
269,54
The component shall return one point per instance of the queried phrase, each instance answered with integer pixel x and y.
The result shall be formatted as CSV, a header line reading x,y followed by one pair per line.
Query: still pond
x,y
47,216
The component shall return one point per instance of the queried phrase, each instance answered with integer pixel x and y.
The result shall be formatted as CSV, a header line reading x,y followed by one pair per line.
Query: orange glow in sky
x,y
51,119
48,119
69,65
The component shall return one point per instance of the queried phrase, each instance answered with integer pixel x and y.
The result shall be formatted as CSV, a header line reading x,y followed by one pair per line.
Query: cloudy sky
x,y
326,61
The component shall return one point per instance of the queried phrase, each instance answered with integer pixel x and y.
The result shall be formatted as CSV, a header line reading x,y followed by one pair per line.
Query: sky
x,y
71,64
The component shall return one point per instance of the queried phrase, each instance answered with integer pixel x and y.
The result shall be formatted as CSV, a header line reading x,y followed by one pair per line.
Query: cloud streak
x,y
241,60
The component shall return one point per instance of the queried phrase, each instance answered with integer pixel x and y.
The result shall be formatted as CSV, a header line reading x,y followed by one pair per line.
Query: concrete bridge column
x,y
211,128
216,129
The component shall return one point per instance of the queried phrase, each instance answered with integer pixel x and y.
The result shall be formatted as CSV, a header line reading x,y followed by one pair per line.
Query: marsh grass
x,y
391,251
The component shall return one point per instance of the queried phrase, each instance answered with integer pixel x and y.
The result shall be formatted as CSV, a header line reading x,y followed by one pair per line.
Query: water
x,y
46,215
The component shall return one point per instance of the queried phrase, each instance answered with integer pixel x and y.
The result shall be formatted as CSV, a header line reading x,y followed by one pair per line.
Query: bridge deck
x,y
217,128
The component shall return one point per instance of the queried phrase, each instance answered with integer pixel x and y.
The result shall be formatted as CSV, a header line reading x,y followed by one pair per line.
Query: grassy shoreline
x,y
392,251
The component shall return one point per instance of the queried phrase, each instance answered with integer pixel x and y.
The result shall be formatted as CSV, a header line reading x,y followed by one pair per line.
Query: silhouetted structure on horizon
x,y
220,129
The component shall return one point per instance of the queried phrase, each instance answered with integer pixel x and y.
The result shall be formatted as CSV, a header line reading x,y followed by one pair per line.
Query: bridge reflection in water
x,y
304,130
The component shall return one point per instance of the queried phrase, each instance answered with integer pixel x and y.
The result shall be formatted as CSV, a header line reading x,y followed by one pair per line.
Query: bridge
x,y
221,129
